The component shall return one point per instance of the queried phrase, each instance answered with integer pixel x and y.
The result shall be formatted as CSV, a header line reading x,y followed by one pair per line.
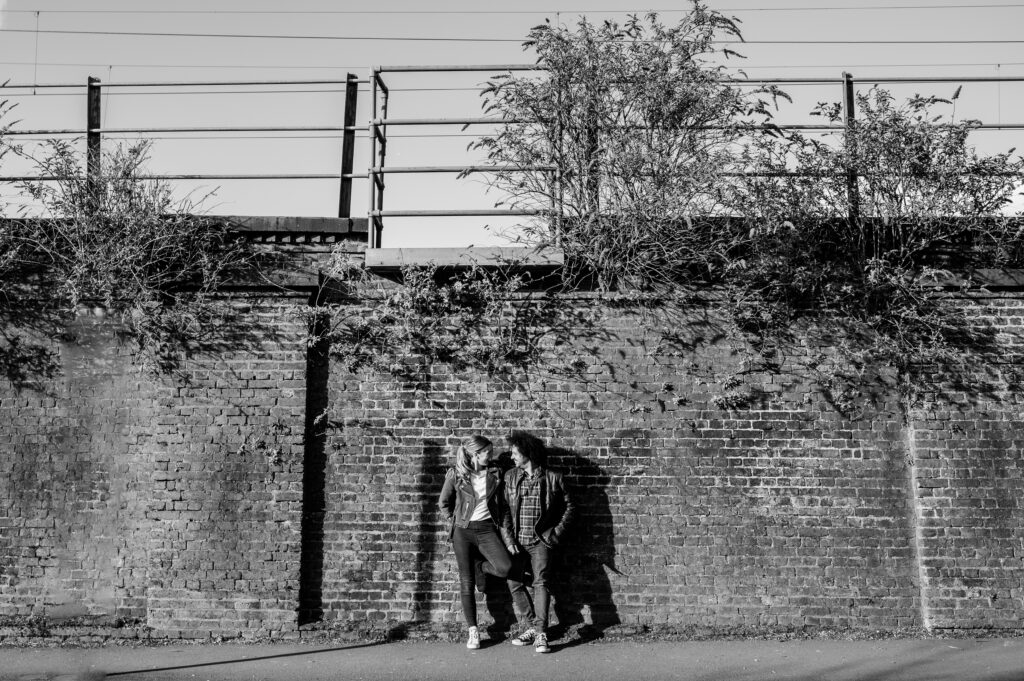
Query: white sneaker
x,y
525,638
474,639
540,643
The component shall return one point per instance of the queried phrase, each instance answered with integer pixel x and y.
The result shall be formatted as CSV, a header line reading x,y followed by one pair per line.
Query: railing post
x,y
348,143
375,223
382,149
849,121
371,175
93,156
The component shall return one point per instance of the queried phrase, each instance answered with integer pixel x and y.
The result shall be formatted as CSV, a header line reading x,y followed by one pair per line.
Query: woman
x,y
471,500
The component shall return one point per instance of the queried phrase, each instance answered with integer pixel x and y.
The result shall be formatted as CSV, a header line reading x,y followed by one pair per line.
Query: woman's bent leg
x,y
497,560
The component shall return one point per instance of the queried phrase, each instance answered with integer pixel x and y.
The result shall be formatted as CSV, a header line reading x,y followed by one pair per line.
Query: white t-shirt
x,y
481,512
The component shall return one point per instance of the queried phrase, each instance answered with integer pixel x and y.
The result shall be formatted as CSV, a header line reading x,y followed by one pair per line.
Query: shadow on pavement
x,y
217,663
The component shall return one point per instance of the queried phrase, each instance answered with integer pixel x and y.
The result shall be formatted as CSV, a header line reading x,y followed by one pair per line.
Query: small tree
x,y
124,243
641,122
925,200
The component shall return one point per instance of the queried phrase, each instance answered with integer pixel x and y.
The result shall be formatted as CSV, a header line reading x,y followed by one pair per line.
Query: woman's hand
x,y
513,549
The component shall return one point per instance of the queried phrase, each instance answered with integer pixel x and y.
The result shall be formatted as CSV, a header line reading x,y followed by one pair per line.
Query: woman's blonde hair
x,y
464,454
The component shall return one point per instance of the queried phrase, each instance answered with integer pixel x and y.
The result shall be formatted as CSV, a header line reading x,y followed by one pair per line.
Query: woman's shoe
x,y
474,639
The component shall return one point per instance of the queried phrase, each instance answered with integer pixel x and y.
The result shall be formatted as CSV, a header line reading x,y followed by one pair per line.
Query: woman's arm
x,y
446,502
505,526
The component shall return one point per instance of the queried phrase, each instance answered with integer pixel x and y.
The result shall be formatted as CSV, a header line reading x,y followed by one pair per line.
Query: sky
x,y
152,44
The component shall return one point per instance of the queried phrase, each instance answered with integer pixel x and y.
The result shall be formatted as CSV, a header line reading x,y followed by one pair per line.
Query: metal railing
x,y
93,131
379,170
376,130
380,123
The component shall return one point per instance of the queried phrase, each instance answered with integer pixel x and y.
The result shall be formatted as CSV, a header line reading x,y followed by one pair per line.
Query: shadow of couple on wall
x,y
582,588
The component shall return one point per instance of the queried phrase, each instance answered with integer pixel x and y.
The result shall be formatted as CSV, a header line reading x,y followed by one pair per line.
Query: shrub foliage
x,y
121,244
641,124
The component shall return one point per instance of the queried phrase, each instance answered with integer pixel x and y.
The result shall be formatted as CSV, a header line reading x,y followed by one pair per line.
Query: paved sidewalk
x,y
802,660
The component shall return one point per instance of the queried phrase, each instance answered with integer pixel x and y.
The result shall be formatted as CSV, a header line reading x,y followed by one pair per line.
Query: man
x,y
538,511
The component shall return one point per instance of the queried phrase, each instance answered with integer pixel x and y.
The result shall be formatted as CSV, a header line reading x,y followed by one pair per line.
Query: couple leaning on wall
x,y
506,525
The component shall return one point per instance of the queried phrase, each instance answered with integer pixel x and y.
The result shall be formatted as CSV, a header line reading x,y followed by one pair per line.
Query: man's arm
x,y
506,524
569,508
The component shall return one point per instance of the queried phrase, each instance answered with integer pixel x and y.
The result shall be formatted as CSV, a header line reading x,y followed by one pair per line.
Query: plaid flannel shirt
x,y
529,508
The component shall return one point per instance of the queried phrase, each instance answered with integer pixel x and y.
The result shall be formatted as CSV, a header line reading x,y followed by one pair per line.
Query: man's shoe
x,y
474,639
525,638
540,644
481,576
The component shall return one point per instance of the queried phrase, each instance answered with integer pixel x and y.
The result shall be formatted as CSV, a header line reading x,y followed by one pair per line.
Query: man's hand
x,y
513,549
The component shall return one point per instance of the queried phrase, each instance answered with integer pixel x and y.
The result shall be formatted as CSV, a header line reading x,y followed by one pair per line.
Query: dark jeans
x,y
479,539
534,611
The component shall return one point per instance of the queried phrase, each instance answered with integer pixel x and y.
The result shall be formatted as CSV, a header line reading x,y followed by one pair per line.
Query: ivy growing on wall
x,y
472,318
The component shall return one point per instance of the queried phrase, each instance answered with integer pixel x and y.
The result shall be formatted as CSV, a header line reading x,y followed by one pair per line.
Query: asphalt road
x,y
797,660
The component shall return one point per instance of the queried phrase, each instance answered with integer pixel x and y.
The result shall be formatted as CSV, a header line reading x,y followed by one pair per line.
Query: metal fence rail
x,y
380,124
376,133
94,132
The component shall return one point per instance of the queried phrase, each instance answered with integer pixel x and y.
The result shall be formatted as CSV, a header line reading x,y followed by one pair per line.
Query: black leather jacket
x,y
556,505
458,499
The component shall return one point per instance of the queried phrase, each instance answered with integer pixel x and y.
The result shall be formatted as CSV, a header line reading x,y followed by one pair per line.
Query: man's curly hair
x,y
530,446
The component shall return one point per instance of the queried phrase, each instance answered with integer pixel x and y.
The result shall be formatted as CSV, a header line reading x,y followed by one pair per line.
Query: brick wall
x,y
968,449
174,505
777,515
273,490
74,484
226,510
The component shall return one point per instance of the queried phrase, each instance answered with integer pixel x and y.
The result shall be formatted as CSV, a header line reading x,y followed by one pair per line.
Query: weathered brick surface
x,y
716,492
74,485
969,450
174,503
226,506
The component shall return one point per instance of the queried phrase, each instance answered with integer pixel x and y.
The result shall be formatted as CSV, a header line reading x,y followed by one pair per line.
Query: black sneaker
x,y
525,638
540,643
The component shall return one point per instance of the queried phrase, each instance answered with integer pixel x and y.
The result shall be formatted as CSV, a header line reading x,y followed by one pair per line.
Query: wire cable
x,y
262,36
671,10
274,36
364,66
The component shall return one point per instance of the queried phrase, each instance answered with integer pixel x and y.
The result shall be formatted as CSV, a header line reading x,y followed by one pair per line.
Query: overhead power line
x,y
258,36
830,8
554,10
880,66
274,36
365,66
